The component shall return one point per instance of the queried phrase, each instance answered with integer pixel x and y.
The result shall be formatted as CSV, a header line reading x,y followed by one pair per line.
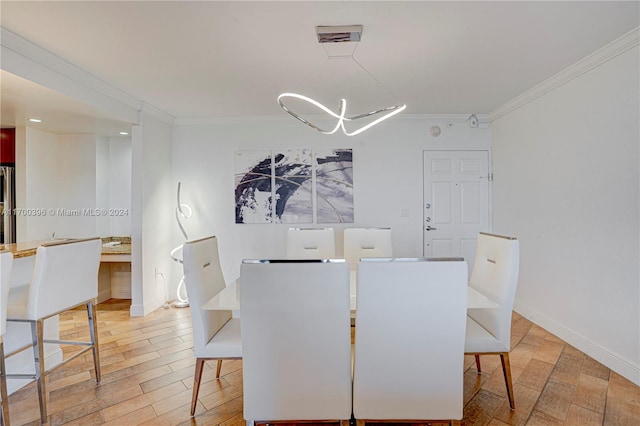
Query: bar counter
x,y
113,248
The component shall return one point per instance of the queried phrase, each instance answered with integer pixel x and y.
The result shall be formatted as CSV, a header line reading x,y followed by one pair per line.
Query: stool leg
x,y
3,387
37,331
93,330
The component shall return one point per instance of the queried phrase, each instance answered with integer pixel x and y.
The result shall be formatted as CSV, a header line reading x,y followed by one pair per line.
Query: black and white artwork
x,y
281,186
253,171
334,186
293,186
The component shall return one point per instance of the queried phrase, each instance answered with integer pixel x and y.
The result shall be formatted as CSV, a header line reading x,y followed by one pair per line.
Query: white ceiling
x,y
225,59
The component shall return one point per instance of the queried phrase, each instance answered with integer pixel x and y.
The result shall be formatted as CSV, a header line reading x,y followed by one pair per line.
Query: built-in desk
x,y
114,277
116,249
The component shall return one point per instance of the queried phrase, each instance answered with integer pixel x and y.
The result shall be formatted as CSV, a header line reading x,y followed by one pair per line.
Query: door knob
x,y
429,228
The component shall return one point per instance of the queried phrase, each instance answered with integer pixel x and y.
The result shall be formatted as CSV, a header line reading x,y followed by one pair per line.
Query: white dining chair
x,y
65,276
311,243
366,242
296,340
409,367
216,335
6,264
494,274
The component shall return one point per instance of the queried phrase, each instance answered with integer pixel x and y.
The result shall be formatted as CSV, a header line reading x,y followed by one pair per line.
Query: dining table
x,y
229,298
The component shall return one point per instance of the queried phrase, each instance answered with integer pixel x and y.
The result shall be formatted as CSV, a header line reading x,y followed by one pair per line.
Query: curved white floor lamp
x,y
184,211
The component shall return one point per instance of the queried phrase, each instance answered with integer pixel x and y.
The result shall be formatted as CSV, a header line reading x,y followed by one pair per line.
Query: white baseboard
x,y
138,310
624,368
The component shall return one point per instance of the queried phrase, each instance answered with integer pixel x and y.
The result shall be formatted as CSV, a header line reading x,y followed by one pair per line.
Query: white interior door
x,y
456,202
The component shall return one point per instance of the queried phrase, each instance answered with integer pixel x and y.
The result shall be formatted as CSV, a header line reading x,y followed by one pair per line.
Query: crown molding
x,y
158,113
30,61
286,119
593,60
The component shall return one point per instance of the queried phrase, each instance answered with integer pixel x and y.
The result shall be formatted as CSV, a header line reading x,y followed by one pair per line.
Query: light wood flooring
x,y
148,364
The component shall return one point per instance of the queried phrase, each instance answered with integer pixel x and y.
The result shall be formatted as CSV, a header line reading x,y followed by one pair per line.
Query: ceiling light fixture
x,y
35,120
340,34
124,134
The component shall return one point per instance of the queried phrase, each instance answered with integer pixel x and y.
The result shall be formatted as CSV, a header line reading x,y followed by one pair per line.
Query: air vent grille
x,y
339,34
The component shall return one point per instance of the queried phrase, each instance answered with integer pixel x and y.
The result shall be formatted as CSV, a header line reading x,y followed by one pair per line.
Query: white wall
x,y
113,186
38,190
387,161
54,173
120,186
151,210
566,182
102,184
76,185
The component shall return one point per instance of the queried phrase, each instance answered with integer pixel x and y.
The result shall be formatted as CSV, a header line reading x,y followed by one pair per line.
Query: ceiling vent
x,y
339,34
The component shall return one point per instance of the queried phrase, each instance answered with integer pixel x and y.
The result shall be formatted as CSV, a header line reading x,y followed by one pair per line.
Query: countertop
x,y
29,248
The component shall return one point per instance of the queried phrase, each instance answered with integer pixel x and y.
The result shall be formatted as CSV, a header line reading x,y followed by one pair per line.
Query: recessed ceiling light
x,y
35,120
124,133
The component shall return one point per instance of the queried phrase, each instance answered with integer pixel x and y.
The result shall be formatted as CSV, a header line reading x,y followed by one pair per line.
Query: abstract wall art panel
x,y
253,173
284,186
293,186
334,185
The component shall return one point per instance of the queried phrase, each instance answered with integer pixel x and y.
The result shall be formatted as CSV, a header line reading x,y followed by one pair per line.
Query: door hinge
x,y
490,177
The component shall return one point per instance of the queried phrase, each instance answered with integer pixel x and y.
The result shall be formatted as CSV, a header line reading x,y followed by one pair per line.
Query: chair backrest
x,y
309,243
410,335
6,264
366,242
495,274
203,280
296,340
65,275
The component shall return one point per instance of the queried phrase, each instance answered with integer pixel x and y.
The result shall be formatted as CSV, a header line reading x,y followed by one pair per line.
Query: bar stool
x,y
6,263
65,276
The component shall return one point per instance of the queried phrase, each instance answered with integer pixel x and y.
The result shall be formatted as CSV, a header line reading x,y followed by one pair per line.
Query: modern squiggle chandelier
x,y
339,34
390,112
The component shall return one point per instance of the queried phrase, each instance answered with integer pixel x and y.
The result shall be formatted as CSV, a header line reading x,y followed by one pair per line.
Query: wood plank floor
x,y
147,377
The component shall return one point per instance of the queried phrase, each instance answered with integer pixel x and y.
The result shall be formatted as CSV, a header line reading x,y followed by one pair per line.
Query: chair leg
x,y
3,388
196,384
506,369
37,334
478,364
218,368
93,330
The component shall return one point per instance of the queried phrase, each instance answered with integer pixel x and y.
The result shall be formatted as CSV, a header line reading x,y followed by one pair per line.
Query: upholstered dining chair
x,y
216,335
296,340
366,242
494,274
65,276
425,344
311,243
6,263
